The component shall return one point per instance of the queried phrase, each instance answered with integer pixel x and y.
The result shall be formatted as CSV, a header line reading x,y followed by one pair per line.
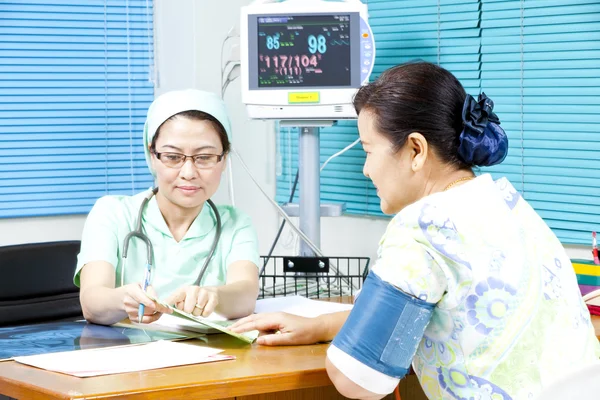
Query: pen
x,y
595,249
144,287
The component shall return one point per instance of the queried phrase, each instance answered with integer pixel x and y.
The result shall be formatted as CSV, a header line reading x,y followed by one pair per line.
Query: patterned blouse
x,y
509,317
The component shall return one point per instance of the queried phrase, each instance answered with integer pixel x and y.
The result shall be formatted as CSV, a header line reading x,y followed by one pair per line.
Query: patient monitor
x,y
304,59
301,63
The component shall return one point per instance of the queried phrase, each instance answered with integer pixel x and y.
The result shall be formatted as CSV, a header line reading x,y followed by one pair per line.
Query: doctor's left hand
x,y
196,300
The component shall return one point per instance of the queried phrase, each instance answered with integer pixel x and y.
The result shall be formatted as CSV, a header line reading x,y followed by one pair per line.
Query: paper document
x,y
175,324
592,298
94,362
222,326
299,305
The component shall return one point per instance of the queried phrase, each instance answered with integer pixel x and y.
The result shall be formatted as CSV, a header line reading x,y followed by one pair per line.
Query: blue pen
x,y
144,287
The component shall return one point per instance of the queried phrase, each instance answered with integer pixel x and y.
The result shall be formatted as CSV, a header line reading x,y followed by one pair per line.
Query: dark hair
x,y
417,97
198,116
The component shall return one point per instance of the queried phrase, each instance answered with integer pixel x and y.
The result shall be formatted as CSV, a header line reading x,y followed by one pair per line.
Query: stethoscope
x,y
150,250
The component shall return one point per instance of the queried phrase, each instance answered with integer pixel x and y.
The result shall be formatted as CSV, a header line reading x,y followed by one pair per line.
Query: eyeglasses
x,y
202,161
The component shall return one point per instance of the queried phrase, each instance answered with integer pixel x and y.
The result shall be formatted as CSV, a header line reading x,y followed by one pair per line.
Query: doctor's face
x,y
188,185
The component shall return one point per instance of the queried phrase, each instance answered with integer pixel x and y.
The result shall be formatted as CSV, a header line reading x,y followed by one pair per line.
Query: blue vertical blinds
x,y
541,65
539,60
75,84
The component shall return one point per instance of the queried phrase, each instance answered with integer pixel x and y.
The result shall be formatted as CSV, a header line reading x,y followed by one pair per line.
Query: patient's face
x,y
390,171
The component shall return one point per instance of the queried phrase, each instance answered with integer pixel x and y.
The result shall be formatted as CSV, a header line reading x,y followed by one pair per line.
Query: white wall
x,y
188,35
178,55
40,229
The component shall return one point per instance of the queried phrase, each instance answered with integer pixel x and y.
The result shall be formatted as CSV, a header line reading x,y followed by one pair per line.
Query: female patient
x,y
185,143
470,285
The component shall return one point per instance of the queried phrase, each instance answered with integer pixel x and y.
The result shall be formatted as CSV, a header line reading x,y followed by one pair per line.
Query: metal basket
x,y
312,277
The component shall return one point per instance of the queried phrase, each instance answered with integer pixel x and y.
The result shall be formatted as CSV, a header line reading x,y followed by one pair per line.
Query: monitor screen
x,y
304,51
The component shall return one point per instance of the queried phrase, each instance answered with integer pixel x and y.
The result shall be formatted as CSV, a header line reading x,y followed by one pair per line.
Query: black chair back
x,y
36,282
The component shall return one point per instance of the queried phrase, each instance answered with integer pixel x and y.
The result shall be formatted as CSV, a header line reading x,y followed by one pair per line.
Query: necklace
x,y
463,179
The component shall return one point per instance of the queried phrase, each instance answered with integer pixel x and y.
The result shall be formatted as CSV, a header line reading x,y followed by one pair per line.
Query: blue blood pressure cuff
x,y
384,328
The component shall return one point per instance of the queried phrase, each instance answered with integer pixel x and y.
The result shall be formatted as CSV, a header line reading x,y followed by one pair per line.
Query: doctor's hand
x,y
196,300
281,329
134,296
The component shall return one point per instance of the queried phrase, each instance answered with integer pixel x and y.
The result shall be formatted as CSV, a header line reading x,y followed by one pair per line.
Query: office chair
x,y
36,283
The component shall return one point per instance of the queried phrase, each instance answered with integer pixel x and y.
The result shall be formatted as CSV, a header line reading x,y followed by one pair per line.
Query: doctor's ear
x,y
152,152
153,158
224,161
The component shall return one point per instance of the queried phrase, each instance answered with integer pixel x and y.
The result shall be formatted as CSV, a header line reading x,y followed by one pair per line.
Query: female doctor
x,y
470,286
185,144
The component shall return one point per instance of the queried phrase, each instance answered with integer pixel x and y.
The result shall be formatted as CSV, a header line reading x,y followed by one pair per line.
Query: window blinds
x,y
539,60
76,79
541,64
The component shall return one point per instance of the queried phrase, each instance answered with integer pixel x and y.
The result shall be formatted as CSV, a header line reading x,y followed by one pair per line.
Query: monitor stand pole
x,y
310,188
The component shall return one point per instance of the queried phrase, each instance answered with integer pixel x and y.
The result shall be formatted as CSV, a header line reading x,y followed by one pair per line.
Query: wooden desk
x,y
258,373
596,323
257,370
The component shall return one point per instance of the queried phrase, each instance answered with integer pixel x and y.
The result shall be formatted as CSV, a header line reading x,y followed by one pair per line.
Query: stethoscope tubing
x,y
138,233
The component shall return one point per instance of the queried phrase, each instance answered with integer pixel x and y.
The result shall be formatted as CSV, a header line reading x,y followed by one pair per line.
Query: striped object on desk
x,y
588,275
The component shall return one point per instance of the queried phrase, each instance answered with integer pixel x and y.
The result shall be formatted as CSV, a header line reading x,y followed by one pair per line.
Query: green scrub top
x,y
175,263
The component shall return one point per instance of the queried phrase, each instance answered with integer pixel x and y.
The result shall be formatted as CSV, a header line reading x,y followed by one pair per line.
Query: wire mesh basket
x,y
312,277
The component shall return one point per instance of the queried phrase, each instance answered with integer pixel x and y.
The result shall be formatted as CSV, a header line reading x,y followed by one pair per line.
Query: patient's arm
x,y
279,328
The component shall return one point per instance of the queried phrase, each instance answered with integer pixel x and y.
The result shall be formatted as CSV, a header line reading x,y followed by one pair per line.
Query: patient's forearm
x,y
237,299
331,324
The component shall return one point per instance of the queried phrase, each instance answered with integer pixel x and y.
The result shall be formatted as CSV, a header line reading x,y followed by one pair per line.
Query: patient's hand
x,y
281,329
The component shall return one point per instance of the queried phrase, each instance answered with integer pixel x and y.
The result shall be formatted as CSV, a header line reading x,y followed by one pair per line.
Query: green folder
x,y
222,326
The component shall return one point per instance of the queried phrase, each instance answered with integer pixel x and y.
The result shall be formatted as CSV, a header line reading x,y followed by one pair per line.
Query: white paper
x,y
592,298
299,305
221,325
115,360
171,323
296,305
